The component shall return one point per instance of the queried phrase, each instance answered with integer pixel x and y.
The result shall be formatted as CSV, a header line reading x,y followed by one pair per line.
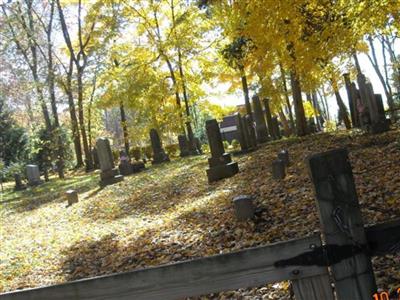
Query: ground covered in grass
x,y
170,213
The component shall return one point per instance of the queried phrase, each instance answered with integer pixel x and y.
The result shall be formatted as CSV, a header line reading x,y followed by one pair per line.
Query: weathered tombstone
x,y
18,183
125,166
252,138
283,155
383,124
275,128
109,174
96,164
241,134
278,169
220,163
244,207
198,145
351,98
33,175
183,145
72,197
268,116
261,127
342,224
159,155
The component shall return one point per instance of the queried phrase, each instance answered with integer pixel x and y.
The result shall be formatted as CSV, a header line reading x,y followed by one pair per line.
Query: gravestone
x,y
268,116
125,166
241,134
109,174
220,163
283,155
275,128
159,155
33,175
351,98
261,127
383,124
244,207
183,145
72,197
278,169
252,138
198,145
19,186
96,164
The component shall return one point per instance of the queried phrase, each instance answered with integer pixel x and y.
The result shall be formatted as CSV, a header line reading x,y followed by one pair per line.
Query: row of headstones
x,y
366,107
251,133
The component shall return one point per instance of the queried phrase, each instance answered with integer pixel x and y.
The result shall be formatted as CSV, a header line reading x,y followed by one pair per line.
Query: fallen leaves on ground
x,y
169,213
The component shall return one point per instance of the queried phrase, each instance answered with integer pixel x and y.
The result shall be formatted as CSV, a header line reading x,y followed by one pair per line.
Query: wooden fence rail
x,y
247,268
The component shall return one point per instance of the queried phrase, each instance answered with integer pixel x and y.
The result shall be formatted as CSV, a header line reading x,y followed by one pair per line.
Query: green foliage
x,y
330,126
235,144
15,168
13,138
172,150
148,151
135,153
205,148
226,145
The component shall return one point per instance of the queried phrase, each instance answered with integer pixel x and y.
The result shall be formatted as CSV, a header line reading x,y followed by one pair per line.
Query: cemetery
x,y
174,150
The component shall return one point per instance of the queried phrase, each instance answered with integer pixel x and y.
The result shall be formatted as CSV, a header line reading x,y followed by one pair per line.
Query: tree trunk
x,y
51,86
124,127
81,118
386,87
301,124
246,92
289,107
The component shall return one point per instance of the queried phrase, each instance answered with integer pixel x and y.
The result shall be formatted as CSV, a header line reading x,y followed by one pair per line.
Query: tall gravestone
x,y
18,183
268,116
159,155
252,137
220,163
183,145
241,135
125,166
261,127
275,128
33,175
109,174
351,98
96,164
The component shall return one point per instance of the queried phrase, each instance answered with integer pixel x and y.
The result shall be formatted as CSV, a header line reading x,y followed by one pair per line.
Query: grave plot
x,y
168,214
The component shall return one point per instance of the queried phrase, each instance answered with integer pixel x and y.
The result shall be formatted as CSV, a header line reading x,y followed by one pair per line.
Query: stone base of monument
x,y
379,127
35,183
221,168
110,177
222,171
125,168
138,166
160,158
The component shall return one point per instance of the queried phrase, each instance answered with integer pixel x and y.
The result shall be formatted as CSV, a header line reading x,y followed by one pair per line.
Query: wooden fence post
x,y
346,248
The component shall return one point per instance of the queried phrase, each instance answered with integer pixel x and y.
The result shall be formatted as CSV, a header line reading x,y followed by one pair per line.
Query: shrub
x,y
226,145
330,126
147,151
235,144
135,153
172,150
205,148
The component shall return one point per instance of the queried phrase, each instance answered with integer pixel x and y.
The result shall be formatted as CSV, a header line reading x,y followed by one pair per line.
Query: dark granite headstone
x,y
183,145
220,163
72,197
252,138
261,127
33,175
109,174
125,166
283,155
278,169
18,183
96,164
159,155
244,207
241,133
275,128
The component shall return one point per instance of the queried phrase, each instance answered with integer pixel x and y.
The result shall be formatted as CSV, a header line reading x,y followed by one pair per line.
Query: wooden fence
x,y
340,255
